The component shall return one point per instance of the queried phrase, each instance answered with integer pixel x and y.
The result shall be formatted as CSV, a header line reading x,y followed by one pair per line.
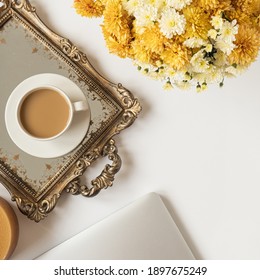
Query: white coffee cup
x,y
46,112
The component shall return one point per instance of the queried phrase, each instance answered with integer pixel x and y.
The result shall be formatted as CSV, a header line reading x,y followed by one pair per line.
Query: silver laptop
x,y
143,230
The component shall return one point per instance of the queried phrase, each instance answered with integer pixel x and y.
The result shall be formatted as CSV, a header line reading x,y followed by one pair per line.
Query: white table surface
x,y
200,152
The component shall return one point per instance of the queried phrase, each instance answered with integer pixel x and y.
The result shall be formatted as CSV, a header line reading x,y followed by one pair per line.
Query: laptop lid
x,y
143,230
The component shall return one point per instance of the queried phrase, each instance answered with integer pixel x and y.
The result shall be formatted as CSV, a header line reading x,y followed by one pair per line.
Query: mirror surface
x,y
22,56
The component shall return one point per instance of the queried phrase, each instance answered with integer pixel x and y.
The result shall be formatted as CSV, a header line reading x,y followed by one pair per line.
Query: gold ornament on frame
x,y
36,183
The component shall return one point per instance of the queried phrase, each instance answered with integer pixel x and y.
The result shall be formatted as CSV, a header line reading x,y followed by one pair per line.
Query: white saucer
x,y
60,146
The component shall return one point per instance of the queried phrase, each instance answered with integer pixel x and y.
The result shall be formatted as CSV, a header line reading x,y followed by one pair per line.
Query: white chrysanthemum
x,y
231,70
214,74
145,15
212,33
228,31
194,42
220,59
142,65
172,23
149,70
208,48
184,85
225,46
167,86
155,3
155,75
178,77
234,70
159,63
138,29
217,22
211,74
164,72
182,79
197,56
178,4
199,64
202,87
132,6
188,76
170,72
200,77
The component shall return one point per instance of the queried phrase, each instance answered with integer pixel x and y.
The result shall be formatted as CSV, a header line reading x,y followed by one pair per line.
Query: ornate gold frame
x,y
37,204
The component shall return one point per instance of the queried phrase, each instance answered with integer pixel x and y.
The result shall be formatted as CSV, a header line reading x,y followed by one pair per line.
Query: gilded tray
x,y
28,47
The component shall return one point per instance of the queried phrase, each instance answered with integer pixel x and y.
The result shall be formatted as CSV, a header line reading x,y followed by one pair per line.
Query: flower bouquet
x,y
184,43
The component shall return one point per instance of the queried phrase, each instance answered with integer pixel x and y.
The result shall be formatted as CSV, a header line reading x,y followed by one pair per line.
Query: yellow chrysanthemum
x,y
116,28
248,44
246,6
152,39
116,19
176,56
257,22
197,22
89,8
140,53
246,11
213,4
256,7
238,15
114,46
255,14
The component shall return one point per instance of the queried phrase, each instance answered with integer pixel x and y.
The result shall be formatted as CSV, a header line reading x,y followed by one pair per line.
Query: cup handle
x,y
80,106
